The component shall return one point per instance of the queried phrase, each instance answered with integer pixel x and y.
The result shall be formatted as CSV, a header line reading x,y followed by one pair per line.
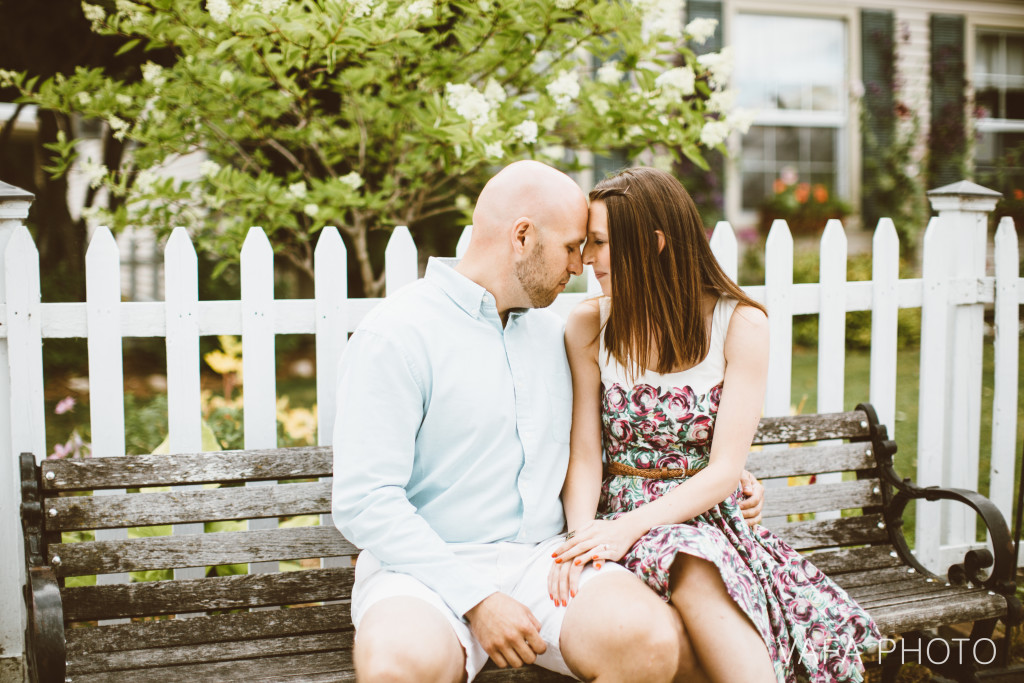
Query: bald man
x,y
450,448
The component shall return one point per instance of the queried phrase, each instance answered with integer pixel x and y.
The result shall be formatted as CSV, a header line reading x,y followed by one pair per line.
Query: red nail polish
x,y
558,560
594,557
554,554
576,562
573,594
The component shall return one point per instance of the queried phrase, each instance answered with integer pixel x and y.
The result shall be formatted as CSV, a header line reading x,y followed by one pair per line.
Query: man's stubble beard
x,y
529,273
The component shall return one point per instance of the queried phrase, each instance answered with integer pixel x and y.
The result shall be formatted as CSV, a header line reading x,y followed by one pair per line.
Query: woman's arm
x,y
746,372
582,488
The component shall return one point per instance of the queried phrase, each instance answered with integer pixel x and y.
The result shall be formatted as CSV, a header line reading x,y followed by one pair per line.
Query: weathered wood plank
x,y
955,609
871,577
85,603
134,471
527,674
67,513
794,462
791,500
208,629
262,669
225,547
916,593
249,648
818,427
856,559
844,531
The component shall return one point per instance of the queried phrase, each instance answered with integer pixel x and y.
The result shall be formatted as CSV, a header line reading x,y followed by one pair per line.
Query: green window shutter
x,y
878,114
706,9
947,139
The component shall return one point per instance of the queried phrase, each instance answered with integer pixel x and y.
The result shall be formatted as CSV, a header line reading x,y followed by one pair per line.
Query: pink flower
x,y
65,405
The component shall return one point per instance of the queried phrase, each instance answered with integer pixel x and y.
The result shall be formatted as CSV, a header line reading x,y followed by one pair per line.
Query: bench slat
x,y
834,562
795,462
181,507
819,427
87,603
247,648
921,591
337,663
198,550
208,629
871,577
946,609
827,533
791,500
135,471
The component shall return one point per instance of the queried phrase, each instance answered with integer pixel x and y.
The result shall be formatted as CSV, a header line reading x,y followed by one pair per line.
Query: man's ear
x,y
523,230
661,240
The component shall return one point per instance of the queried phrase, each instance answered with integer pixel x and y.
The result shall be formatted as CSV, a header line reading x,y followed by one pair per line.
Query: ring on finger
x,y
570,534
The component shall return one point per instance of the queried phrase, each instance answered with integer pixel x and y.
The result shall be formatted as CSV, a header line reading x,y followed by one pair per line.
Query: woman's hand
x,y
597,541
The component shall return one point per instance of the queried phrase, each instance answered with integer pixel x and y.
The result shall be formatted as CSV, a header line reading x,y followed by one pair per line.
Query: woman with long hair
x,y
669,370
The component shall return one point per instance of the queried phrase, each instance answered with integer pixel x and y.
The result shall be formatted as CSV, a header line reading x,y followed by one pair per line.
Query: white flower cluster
x,y
7,77
95,14
662,17
701,28
600,105
145,180
609,73
565,4
468,102
227,77
526,131
494,93
678,81
714,133
311,210
353,180
84,98
494,150
271,6
153,73
219,10
719,64
565,88
208,168
93,173
361,8
417,9
722,101
119,126
298,190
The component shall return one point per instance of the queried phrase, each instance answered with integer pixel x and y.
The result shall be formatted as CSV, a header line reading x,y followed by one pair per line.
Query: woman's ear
x,y
661,240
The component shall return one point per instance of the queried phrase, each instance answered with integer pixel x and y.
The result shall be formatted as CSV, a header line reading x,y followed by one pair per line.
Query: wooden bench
x,y
235,627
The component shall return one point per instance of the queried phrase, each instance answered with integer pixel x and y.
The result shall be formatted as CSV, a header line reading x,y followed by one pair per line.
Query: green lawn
x,y
805,371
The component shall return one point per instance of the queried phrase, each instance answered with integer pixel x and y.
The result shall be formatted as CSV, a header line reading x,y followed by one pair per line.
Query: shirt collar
x,y
470,296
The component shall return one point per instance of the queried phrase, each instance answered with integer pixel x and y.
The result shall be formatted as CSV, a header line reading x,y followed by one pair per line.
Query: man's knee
x,y
406,640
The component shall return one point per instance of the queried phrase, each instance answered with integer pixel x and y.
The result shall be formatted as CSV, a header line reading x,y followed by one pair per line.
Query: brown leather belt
x,y
622,470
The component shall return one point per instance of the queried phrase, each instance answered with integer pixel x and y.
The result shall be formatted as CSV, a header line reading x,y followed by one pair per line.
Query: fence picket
x,y
726,249
832,331
259,387
463,245
400,265
330,265
778,283
1007,364
933,384
25,345
106,375
184,402
885,278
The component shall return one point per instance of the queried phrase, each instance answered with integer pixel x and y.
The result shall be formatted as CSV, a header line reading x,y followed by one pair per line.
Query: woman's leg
x,y
716,626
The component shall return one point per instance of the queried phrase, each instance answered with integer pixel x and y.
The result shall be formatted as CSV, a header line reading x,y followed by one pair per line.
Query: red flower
x,y
820,194
802,193
1018,194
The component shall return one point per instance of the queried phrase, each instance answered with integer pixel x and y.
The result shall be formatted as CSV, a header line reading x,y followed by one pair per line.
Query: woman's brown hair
x,y
656,296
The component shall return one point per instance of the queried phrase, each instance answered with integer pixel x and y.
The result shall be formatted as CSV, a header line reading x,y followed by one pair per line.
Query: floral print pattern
x,y
813,630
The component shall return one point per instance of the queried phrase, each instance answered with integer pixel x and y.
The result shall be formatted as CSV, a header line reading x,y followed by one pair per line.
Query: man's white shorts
x,y
519,570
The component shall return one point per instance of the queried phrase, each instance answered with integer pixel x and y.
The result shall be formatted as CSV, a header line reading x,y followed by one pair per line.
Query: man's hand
x,y
753,500
507,630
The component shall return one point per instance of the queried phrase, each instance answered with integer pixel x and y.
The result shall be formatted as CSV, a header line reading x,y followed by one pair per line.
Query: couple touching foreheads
x,y
515,481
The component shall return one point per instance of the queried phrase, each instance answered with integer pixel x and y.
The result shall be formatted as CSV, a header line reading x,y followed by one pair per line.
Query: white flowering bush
x,y
365,114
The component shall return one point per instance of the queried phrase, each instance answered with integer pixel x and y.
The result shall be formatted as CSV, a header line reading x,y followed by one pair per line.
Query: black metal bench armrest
x,y
1002,578
47,649
46,646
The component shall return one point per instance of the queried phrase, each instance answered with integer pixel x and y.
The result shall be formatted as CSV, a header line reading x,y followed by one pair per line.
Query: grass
x,y
858,364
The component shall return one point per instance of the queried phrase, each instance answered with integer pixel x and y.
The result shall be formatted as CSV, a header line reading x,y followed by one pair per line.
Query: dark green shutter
x,y
947,139
706,9
878,55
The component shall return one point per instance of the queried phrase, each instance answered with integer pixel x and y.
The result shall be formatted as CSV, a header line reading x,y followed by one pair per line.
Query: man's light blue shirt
x,y
450,429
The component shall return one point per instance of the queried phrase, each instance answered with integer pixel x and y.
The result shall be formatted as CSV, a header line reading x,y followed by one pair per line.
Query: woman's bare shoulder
x,y
584,323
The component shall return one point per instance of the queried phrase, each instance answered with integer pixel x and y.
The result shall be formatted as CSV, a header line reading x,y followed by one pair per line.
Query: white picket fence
x,y
953,293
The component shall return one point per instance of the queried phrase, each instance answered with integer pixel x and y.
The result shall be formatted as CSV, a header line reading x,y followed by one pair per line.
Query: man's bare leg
x,y
406,639
618,629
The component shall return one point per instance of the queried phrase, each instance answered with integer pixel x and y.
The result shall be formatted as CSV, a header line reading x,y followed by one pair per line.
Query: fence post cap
x,y
10,193
964,188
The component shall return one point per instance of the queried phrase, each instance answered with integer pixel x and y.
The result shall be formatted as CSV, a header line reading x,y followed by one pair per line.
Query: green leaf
x,y
130,45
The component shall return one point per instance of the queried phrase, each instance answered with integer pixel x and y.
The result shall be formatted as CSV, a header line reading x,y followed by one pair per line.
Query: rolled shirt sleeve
x,y
382,399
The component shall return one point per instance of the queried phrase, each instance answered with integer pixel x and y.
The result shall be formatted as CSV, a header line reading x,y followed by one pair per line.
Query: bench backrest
x,y
784,447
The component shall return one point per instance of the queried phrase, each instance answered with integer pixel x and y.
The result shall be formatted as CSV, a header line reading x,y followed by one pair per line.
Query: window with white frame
x,y
999,98
791,71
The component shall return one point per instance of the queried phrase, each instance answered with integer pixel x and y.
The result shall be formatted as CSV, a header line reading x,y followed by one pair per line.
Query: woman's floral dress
x,y
813,630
